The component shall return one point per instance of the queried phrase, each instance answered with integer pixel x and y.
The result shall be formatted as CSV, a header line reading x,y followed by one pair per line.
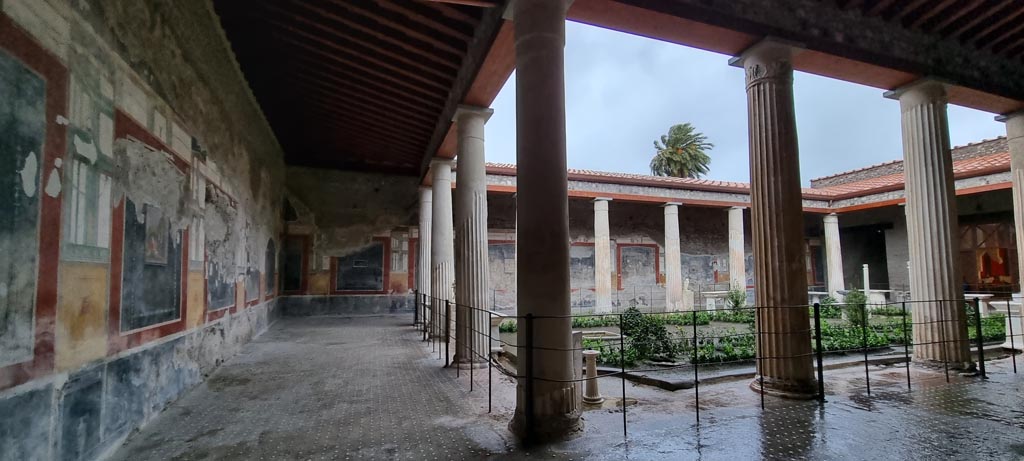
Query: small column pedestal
x,y
591,395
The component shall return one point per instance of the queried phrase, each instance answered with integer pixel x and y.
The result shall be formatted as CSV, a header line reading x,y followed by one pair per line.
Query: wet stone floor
x,y
370,388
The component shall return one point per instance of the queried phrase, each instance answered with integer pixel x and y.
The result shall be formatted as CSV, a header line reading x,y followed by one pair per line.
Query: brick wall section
x,y
978,149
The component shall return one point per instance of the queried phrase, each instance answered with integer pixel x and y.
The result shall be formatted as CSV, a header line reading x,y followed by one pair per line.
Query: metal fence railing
x,y
705,344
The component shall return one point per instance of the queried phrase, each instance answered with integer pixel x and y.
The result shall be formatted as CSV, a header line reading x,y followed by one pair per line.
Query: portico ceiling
x,y
359,84
372,84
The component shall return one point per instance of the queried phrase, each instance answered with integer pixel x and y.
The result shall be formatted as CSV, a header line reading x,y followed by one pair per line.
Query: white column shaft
x,y
602,258
423,248
737,251
442,247
471,321
673,260
833,255
941,330
1015,138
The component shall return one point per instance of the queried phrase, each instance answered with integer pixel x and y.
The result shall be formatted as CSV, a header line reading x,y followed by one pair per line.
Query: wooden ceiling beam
x,y
930,13
1012,16
405,11
369,72
425,54
950,19
378,114
353,58
338,93
433,41
337,37
428,101
977,19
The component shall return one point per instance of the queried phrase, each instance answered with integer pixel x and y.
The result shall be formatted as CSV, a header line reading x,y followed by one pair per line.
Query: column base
x,y
547,428
786,389
938,365
593,400
467,364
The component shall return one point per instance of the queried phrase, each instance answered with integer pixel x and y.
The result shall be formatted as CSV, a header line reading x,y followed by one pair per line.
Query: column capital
x,y
918,92
738,207
440,162
668,204
465,110
602,199
768,59
1014,124
831,218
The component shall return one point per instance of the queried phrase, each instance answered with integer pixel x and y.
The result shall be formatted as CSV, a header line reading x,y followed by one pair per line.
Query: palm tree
x,y
682,153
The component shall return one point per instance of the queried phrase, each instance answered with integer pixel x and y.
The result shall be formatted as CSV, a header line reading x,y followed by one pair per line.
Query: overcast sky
x,y
624,91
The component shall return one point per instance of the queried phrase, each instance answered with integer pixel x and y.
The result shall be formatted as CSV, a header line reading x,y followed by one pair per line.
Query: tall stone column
x,y
471,320
833,255
423,249
442,244
784,342
673,260
1015,138
547,406
602,257
932,228
737,251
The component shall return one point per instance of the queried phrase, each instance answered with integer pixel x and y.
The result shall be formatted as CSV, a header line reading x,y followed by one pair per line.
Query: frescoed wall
x,y
124,243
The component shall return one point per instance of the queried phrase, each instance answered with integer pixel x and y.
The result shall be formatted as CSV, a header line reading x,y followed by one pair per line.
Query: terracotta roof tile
x,y
963,168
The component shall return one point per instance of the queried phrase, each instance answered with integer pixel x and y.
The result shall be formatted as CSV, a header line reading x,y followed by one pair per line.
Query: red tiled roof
x,y
978,166
967,168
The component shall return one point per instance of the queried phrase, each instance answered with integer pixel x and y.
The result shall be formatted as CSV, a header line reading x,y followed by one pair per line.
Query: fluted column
x,y
442,246
1015,138
784,341
547,406
833,255
940,330
737,251
673,260
423,249
471,321
602,257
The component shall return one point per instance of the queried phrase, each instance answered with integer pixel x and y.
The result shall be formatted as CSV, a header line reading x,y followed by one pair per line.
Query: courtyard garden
x,y
728,335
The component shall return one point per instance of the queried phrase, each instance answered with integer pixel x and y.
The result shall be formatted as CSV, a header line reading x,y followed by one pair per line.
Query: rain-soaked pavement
x,y
369,388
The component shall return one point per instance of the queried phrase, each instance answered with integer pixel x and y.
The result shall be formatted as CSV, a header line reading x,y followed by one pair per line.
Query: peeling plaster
x,y
29,173
53,183
148,177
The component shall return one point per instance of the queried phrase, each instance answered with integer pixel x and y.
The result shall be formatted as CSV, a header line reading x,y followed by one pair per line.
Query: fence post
x,y
696,362
864,343
759,329
472,339
416,308
906,343
622,373
426,317
447,329
819,356
1013,349
529,378
981,339
490,341
942,341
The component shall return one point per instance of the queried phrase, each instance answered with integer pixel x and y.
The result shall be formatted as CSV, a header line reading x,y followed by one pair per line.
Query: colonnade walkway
x,y
370,388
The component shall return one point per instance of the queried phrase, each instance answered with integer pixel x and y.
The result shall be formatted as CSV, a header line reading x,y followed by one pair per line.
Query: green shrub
x,y
508,326
856,312
828,308
682,319
736,299
888,311
734,316
847,338
595,321
646,334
